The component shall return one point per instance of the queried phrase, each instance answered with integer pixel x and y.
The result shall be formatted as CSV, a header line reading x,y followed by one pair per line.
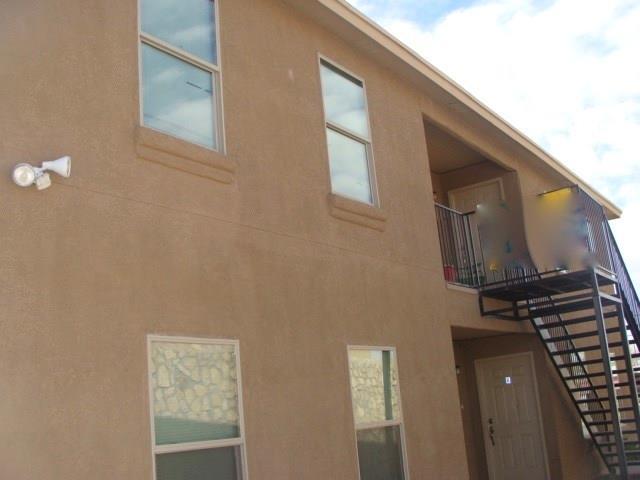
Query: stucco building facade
x,y
248,240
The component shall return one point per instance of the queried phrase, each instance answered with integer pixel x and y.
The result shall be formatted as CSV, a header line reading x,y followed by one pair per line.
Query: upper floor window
x,y
377,412
180,70
196,400
348,134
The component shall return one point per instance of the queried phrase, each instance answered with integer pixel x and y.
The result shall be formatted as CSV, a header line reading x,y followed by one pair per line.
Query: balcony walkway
x,y
532,286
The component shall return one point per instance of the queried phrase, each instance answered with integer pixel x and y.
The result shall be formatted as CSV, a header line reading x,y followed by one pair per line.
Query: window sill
x,y
172,152
357,212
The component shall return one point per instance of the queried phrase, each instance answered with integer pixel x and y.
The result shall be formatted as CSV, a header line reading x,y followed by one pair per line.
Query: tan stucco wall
x,y
127,247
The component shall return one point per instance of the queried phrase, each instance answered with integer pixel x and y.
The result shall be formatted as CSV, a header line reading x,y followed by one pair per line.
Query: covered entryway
x,y
534,399
510,411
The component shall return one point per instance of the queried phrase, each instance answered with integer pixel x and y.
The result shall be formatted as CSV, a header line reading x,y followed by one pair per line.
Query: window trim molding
x,y
367,142
215,70
172,152
399,422
356,212
240,442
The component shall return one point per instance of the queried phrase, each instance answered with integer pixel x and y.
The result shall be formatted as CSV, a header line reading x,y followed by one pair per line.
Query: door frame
x,y
485,434
497,180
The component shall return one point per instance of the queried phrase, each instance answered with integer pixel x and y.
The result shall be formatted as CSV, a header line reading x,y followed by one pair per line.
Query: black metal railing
x,y
461,257
596,224
627,289
607,254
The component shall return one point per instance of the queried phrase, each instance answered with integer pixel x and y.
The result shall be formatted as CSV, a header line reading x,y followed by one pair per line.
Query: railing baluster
x,y
459,261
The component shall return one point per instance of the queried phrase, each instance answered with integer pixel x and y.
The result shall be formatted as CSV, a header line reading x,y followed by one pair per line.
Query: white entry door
x,y
467,198
512,429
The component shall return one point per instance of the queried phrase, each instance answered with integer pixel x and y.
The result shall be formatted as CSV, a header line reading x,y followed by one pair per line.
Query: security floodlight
x,y
25,175
61,166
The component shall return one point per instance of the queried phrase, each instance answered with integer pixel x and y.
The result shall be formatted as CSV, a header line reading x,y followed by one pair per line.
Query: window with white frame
x,y
348,134
180,72
196,405
377,412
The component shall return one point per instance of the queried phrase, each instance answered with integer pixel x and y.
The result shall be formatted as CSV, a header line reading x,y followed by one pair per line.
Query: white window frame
x,y
240,442
366,141
215,71
399,422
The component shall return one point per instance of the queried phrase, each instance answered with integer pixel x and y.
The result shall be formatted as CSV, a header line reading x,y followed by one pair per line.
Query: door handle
x,y
491,432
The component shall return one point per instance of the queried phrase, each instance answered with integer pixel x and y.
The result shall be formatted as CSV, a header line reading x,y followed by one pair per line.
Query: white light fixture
x,y
25,175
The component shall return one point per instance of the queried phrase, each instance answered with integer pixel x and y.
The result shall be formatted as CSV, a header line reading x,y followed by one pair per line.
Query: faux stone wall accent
x,y
195,382
367,387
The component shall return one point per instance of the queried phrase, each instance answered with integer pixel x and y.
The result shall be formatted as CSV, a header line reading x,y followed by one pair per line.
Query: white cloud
x,y
565,72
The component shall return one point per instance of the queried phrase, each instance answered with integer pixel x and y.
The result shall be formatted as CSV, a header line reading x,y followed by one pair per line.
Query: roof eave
x,y
413,60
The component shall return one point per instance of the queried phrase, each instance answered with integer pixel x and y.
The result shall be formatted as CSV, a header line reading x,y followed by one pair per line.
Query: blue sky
x,y
564,72
412,9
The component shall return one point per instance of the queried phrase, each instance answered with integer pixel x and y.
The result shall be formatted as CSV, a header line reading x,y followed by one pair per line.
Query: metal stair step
x,y
575,336
619,371
624,370
629,462
574,321
612,433
584,377
609,422
613,444
603,399
596,361
602,412
600,387
626,452
591,348
573,304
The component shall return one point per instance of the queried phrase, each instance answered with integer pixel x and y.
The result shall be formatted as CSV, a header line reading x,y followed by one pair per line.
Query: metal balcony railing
x,y
627,290
461,257
607,254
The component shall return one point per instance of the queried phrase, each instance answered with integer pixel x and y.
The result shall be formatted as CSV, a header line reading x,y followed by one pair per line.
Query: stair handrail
x,y
627,290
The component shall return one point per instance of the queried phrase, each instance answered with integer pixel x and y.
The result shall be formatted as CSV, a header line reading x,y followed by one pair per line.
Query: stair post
x,y
606,363
633,387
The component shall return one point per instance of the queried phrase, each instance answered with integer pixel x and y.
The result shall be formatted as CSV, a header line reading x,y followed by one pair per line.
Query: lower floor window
x,y
377,413
380,453
198,431
206,464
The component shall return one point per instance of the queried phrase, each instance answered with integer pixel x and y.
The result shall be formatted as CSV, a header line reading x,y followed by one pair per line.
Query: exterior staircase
x,y
580,319
587,318
589,323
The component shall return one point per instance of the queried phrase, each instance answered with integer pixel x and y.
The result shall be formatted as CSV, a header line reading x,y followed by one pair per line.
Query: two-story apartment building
x,y
289,248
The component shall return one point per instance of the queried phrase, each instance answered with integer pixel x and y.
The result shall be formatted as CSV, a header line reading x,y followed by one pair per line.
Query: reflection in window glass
x,y
218,464
374,385
186,24
195,393
348,136
349,167
380,454
375,393
178,97
196,405
344,101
